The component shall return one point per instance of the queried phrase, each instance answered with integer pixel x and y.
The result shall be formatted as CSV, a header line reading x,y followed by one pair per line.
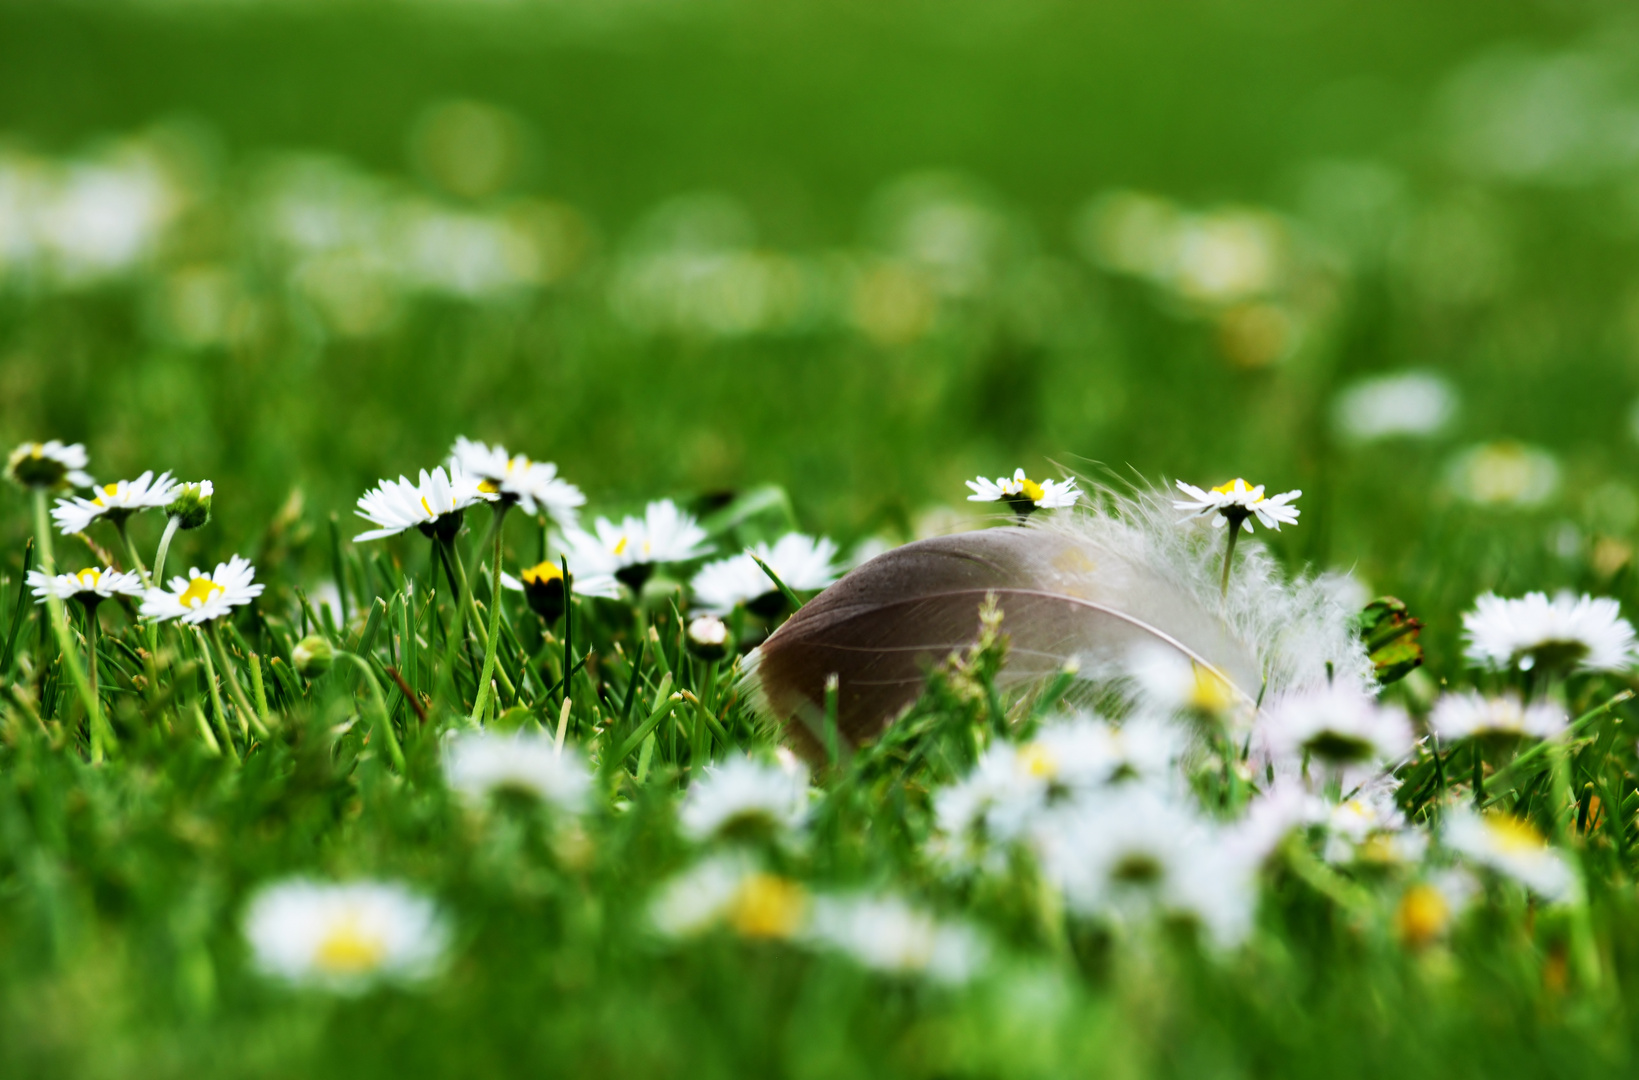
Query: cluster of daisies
x,y
612,559
196,598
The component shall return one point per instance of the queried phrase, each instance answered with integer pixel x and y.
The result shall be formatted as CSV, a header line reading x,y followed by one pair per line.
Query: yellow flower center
x,y
199,590
620,548
89,577
1514,835
1031,490
1422,915
1208,692
541,573
1037,761
109,490
517,464
1236,486
489,487
425,505
768,907
348,949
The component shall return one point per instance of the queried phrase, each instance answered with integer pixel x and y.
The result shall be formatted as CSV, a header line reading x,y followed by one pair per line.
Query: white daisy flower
x,y
199,598
1023,494
887,934
802,562
535,484
343,937
740,793
115,501
730,889
996,802
49,465
1131,853
1582,632
1470,715
434,505
1172,683
632,549
90,586
1427,908
1335,726
1237,503
1369,827
191,504
1510,846
477,764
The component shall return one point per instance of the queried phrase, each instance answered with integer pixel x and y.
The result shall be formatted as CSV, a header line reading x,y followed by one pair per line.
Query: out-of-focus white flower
x,y
1227,256
535,484
1237,503
1024,494
1368,826
1337,726
1269,819
887,934
996,801
1427,908
1172,683
90,585
200,597
1572,632
433,505
1510,846
1132,853
730,889
1504,474
49,465
344,937
630,550
707,638
116,501
1409,404
1471,714
804,563
479,763
741,793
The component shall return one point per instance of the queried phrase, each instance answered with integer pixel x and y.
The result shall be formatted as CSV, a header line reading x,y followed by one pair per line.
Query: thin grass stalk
x,y
240,701
494,621
101,735
383,718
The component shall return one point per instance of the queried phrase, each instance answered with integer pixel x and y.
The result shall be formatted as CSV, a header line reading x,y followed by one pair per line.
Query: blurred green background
x,y
862,250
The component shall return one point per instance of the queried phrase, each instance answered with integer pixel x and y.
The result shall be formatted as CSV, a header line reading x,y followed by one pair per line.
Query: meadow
x,y
743,273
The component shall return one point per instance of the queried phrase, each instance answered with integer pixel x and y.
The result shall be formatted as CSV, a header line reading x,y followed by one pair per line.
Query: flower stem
x,y
171,525
1229,556
240,701
385,718
99,731
494,621
122,526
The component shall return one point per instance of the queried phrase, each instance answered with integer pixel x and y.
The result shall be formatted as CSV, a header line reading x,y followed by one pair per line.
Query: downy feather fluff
x,y
1089,587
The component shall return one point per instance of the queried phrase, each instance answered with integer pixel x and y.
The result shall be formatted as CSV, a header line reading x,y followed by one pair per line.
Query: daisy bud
x,y
708,638
192,505
312,656
544,588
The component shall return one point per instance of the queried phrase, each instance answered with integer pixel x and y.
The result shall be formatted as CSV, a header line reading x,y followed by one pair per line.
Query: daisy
x,y
199,598
435,505
116,502
632,549
90,586
1369,827
1335,726
476,764
343,937
708,638
1512,847
49,465
1237,503
542,586
1023,494
741,795
802,562
1568,632
1472,715
996,802
534,484
730,889
887,934
1427,908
